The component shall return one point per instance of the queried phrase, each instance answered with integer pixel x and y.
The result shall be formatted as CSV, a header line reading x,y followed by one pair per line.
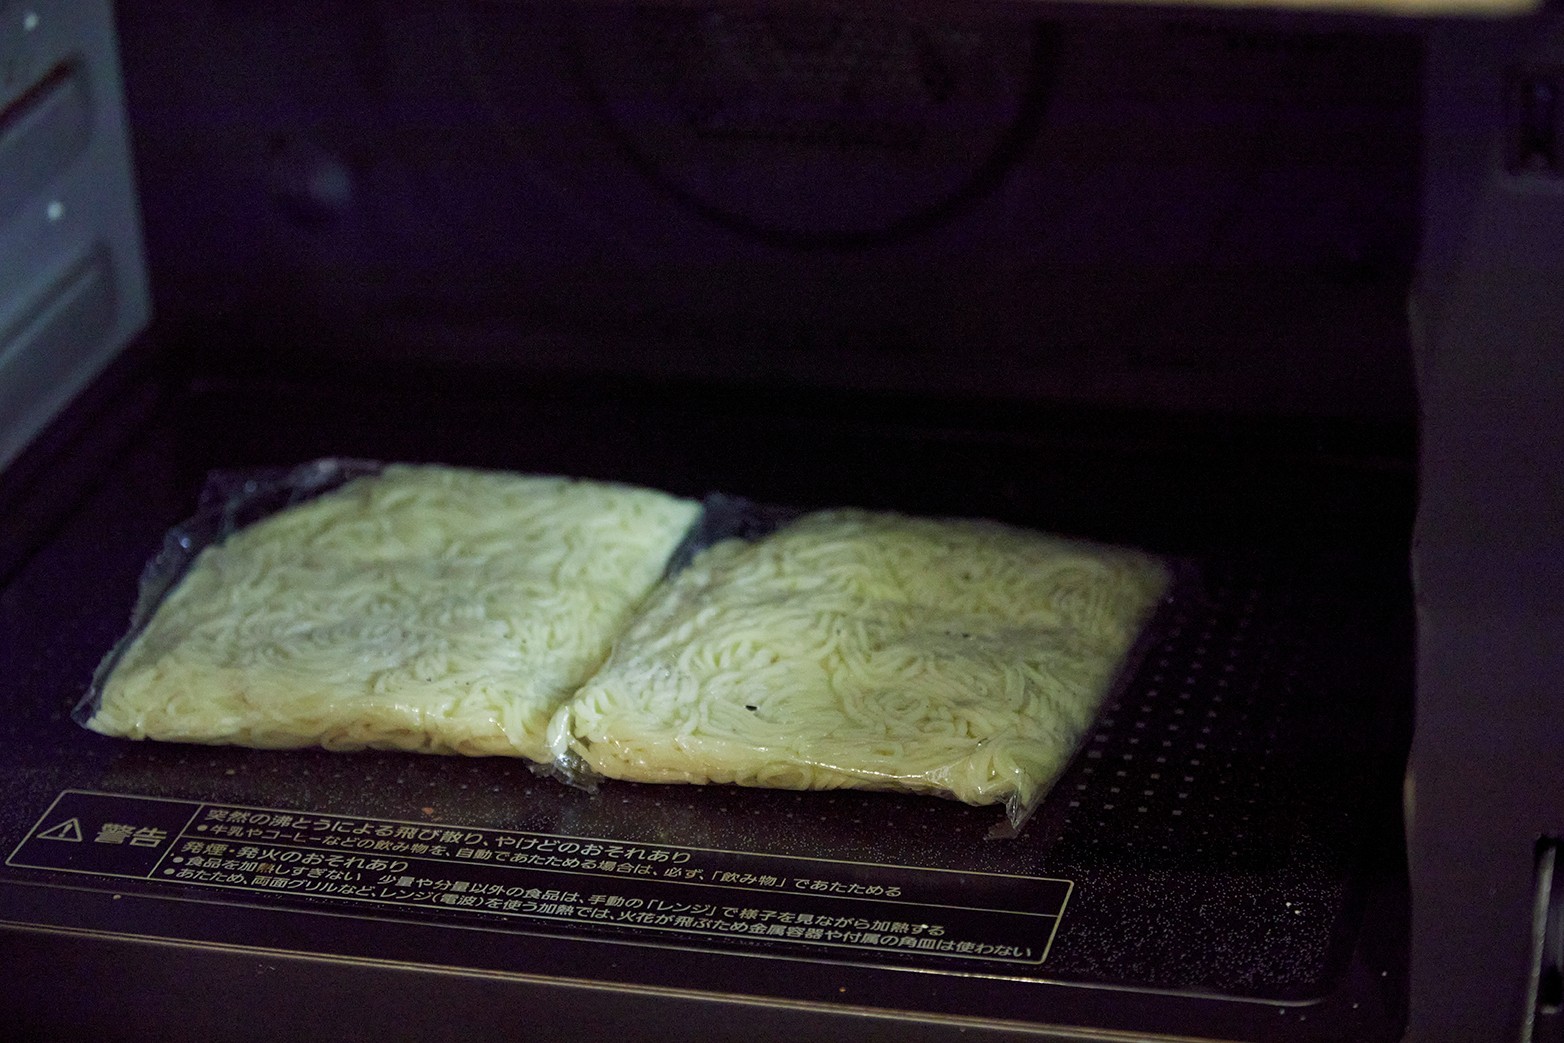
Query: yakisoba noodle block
x,y
424,608
854,649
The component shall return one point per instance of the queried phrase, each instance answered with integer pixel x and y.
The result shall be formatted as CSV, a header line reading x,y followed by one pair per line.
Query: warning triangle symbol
x,y
70,830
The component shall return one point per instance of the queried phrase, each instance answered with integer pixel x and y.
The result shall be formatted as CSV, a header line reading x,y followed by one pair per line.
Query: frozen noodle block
x,y
853,649
424,608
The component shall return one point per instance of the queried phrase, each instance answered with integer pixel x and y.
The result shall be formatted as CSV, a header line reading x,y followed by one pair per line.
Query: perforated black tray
x,y
1229,832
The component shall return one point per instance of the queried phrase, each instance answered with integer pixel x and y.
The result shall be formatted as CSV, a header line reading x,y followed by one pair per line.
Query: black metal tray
x,y
1222,860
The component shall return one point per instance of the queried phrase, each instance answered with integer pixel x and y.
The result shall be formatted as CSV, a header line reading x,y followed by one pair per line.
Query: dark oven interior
x,y
1136,276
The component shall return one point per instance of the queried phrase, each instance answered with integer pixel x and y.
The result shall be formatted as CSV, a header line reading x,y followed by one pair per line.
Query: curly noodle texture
x,y
854,649
426,608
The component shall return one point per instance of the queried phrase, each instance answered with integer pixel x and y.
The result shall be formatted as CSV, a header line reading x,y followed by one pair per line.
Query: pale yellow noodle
x,y
868,650
425,608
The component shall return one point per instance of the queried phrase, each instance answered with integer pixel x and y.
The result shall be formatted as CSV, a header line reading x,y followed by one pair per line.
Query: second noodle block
x,y
855,649
424,608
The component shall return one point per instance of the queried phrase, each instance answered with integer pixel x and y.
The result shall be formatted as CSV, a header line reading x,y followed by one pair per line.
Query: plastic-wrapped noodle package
x,y
413,607
868,650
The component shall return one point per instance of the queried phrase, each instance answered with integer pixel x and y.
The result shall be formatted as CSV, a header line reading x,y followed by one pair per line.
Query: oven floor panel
x,y
1227,830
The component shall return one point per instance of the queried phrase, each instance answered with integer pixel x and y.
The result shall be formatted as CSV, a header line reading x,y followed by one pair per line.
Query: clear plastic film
x,y
352,604
852,649
602,631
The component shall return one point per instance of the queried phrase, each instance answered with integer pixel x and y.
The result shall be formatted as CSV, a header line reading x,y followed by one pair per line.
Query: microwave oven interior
x,y
1134,275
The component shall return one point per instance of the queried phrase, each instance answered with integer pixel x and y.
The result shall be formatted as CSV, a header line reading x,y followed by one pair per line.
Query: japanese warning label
x,y
579,884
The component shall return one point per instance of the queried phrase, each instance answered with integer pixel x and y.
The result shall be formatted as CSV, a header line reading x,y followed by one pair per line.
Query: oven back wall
x,y
1143,212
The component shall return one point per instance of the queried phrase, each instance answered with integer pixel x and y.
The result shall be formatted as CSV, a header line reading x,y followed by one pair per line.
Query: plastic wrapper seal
x,y
353,604
853,649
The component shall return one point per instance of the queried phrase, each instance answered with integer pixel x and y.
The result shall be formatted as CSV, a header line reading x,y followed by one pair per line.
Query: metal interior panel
x,y
67,210
55,339
1487,555
41,133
